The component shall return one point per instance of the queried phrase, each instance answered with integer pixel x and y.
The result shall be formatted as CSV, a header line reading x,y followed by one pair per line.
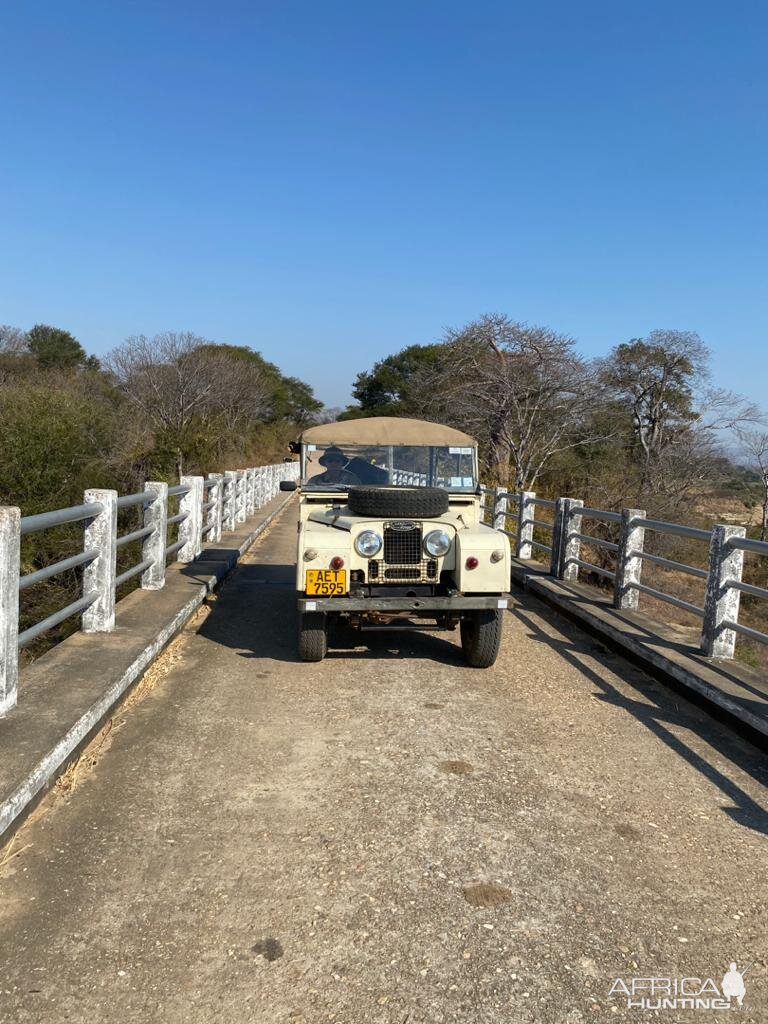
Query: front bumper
x,y
402,604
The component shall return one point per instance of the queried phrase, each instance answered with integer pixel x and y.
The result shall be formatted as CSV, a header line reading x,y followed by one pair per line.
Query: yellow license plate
x,y
326,582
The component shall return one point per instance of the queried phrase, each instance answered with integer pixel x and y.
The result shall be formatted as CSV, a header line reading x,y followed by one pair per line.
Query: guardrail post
x,y
721,604
153,548
242,485
99,575
250,491
191,528
215,511
526,513
10,541
499,509
566,547
229,521
629,564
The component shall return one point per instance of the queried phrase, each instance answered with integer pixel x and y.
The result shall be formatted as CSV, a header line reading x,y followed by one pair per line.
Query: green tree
x,y
54,348
655,379
391,387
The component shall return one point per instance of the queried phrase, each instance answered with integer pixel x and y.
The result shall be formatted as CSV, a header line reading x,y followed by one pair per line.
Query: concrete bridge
x,y
387,836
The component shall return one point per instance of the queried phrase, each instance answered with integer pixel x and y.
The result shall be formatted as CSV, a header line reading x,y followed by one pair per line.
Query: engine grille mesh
x,y
402,547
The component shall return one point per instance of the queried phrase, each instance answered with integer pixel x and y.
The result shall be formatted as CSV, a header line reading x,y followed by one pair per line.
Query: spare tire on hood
x,y
398,502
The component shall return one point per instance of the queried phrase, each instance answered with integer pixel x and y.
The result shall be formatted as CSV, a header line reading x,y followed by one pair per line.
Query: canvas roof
x,y
386,430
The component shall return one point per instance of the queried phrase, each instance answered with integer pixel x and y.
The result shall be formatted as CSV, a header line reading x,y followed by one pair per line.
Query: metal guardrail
x,y
208,507
726,547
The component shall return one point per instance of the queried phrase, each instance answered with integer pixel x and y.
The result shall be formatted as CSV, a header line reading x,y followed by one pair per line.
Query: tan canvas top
x,y
386,430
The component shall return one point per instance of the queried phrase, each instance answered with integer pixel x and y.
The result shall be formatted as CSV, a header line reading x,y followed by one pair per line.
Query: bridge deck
x,y
388,836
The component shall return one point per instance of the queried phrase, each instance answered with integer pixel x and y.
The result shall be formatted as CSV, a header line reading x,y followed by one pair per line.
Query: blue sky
x,y
329,182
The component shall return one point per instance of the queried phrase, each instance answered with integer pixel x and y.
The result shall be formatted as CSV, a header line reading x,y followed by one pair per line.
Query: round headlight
x,y
437,543
368,544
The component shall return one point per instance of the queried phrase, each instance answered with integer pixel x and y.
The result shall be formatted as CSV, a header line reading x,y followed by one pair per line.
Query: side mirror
x,y
287,485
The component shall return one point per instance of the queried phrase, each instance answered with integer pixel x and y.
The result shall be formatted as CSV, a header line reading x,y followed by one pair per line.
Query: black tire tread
x,y
313,636
398,502
481,636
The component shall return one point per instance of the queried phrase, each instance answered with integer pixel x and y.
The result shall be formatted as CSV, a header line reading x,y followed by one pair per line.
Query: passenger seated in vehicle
x,y
334,461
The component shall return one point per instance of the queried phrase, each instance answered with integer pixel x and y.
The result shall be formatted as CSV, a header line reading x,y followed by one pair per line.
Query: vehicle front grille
x,y
402,547
403,560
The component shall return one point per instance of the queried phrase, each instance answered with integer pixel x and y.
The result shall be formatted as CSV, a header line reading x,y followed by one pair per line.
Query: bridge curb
x,y
729,689
71,657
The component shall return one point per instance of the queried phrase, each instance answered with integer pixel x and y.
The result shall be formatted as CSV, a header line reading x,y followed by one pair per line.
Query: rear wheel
x,y
481,636
313,636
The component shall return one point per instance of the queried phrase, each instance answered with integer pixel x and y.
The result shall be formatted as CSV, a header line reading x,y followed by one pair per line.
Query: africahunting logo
x,y
691,993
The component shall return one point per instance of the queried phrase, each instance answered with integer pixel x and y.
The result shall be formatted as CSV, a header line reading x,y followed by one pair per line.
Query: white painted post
x,y
153,549
99,575
215,511
230,501
721,604
499,509
629,564
566,546
250,491
241,515
526,516
191,528
10,541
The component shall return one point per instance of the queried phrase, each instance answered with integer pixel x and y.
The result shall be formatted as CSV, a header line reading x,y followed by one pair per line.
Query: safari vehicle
x,y
390,536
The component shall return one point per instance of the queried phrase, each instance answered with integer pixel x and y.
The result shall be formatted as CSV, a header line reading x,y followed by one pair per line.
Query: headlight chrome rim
x,y
437,543
372,548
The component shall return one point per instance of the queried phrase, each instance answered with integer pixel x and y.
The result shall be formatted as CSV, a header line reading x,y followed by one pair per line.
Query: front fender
x,y
488,577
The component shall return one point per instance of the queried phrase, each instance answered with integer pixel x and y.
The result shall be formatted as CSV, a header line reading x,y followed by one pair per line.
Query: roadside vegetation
x,y
153,409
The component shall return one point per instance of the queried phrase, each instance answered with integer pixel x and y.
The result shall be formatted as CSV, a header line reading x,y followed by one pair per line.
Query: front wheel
x,y
481,636
313,636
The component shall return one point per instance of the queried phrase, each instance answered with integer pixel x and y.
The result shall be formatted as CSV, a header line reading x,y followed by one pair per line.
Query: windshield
x,y
332,468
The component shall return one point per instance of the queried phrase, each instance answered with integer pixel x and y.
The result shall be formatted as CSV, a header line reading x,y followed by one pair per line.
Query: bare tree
x,y
12,340
754,447
522,389
181,382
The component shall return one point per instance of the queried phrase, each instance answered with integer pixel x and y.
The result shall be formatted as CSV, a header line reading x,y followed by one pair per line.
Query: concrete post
x,y
10,541
216,495
191,528
250,491
230,501
721,604
566,546
156,516
242,482
629,564
526,514
499,509
99,575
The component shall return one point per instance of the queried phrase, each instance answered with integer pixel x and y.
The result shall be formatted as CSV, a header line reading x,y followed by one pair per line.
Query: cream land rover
x,y
390,535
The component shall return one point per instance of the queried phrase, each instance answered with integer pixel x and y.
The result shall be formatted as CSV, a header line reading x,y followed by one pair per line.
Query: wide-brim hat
x,y
334,453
